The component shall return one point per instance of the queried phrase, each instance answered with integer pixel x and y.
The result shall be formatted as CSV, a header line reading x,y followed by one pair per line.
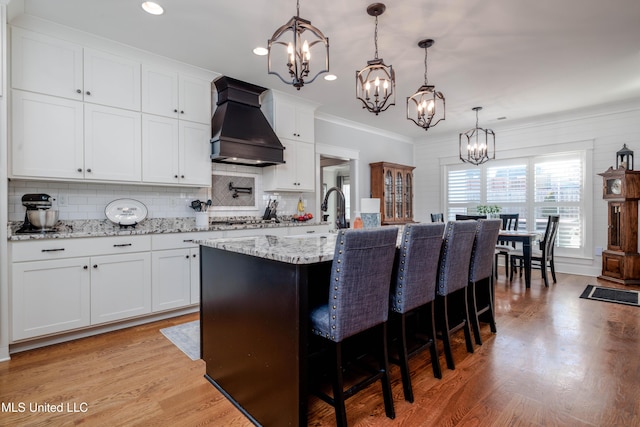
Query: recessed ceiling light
x,y
330,77
260,51
152,8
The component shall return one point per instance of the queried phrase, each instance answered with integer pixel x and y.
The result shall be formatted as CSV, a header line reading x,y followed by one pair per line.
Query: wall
x,y
607,127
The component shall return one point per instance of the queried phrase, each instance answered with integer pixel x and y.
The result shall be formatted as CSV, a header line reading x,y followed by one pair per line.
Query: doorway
x,y
335,172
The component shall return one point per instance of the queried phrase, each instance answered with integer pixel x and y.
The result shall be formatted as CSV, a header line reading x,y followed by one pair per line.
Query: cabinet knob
x,y
181,111
175,110
79,169
181,176
194,255
78,91
187,257
88,92
85,267
95,265
175,176
89,170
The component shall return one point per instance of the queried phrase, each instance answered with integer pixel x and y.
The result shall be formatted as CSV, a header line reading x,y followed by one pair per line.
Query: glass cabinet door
x,y
399,195
388,194
408,196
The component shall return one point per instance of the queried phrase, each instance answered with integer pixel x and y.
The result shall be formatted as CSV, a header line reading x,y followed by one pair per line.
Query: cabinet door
x,y
195,275
159,91
399,195
120,286
171,279
194,96
195,154
285,119
49,297
44,64
111,80
160,162
408,196
389,195
305,125
112,144
47,136
305,166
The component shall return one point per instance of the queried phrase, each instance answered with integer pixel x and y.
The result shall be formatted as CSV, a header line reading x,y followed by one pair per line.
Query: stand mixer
x,y
39,216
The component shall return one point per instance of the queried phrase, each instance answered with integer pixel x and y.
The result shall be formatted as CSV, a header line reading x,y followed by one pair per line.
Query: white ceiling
x,y
515,58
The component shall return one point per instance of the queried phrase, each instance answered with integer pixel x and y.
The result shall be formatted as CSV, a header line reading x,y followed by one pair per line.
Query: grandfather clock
x,y
621,260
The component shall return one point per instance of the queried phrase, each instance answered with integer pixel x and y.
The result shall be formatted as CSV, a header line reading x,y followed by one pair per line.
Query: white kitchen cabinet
x,y
63,284
298,171
171,278
60,138
120,286
47,136
56,67
175,151
293,120
171,94
49,297
112,144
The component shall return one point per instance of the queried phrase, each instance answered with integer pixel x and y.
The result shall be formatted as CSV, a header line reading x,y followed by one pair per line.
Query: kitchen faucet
x,y
341,220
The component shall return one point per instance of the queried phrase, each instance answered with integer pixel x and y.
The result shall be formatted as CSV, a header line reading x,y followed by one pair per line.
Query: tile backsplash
x,y
76,200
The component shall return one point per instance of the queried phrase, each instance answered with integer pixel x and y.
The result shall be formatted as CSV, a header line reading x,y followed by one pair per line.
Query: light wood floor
x,y
556,360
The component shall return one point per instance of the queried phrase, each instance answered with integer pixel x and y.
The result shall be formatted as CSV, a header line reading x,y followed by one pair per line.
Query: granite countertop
x,y
300,249
66,229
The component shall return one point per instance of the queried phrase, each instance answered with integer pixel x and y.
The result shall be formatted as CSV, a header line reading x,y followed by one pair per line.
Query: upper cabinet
x,y
77,114
56,67
170,94
293,122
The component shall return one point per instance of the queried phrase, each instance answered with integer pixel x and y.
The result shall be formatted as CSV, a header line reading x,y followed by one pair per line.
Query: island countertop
x,y
293,249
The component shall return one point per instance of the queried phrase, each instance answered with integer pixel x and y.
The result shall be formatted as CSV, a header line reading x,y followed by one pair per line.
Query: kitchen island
x,y
255,294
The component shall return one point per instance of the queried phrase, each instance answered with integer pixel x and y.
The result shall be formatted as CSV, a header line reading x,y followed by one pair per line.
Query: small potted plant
x,y
491,211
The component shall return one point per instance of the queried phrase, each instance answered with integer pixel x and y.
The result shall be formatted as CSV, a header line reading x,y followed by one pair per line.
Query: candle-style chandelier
x,y
376,83
298,50
478,145
424,105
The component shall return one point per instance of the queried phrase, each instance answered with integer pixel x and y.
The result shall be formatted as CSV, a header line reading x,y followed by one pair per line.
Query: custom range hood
x,y
240,132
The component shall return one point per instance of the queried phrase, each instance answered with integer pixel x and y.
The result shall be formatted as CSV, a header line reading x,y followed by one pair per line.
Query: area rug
x,y
619,296
186,337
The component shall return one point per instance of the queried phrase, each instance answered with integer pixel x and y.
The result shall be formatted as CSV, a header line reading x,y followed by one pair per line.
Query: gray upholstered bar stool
x,y
481,275
413,288
452,312
358,301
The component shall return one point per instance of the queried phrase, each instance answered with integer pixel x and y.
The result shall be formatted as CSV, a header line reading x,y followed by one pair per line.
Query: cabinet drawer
x,y
38,250
161,242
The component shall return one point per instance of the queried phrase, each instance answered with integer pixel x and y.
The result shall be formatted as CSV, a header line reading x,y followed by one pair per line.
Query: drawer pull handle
x,y
53,250
188,241
122,245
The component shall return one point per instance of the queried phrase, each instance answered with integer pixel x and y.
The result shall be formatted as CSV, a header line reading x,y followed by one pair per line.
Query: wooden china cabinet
x,y
621,260
392,183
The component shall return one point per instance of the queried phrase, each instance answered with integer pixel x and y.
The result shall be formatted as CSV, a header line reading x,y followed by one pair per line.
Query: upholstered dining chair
x,y
543,257
481,275
465,217
437,217
413,288
358,301
452,311
509,222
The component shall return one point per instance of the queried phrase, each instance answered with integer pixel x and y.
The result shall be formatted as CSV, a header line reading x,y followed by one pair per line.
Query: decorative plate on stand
x,y
126,212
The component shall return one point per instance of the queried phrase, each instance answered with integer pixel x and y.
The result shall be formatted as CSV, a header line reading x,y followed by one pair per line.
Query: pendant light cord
x,y
298,8
375,38
426,82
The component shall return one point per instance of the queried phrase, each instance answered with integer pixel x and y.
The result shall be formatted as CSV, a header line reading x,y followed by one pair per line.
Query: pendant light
x,y
426,103
478,145
296,52
376,83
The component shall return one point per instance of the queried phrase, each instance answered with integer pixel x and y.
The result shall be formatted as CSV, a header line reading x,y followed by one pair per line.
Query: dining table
x,y
526,238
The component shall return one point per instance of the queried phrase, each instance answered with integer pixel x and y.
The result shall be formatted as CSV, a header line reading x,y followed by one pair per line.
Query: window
x,y
534,187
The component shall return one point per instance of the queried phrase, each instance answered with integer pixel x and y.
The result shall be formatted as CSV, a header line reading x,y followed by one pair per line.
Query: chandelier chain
x,y
298,8
375,38
425,67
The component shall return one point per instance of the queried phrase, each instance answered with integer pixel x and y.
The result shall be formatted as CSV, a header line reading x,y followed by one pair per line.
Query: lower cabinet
x,y
173,285
63,294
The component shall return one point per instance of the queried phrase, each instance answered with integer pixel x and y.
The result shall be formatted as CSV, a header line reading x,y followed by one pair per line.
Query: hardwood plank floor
x,y
556,360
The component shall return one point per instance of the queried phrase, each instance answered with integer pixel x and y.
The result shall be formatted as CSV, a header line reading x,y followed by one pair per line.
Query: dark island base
x,y
254,329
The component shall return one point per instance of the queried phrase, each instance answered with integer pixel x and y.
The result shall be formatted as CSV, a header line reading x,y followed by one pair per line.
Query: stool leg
x,y
338,387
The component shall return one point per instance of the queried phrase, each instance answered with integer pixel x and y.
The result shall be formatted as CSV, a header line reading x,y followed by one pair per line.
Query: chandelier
x,y
422,106
298,50
376,83
478,145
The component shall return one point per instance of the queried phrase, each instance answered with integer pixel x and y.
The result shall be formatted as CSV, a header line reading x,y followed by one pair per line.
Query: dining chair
x,y
481,275
437,217
542,257
509,222
358,301
464,217
452,311
413,289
